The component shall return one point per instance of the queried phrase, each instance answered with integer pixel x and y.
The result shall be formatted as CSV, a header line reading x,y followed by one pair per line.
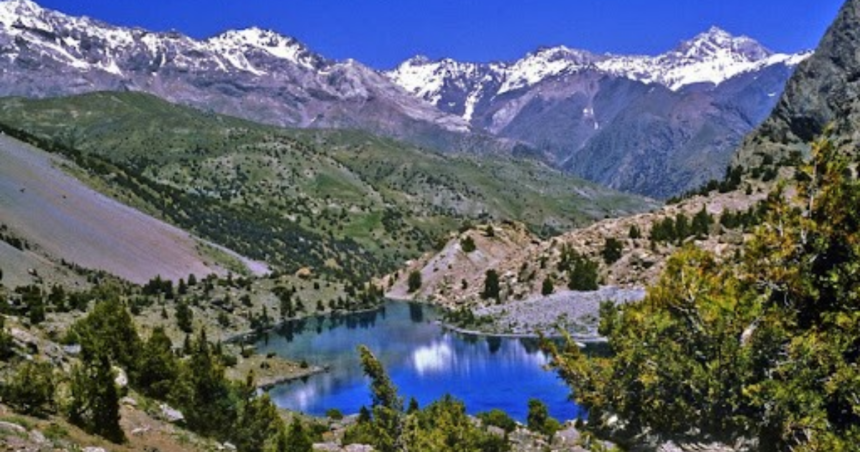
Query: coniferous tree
x,y
612,249
468,244
258,423
158,367
95,398
294,439
751,347
492,287
414,281
31,389
548,286
184,317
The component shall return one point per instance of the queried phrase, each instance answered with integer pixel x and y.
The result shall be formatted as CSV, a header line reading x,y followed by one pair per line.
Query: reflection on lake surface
x,y
424,361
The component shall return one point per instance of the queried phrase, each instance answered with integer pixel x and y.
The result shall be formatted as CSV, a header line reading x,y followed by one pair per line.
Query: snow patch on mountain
x,y
543,64
712,57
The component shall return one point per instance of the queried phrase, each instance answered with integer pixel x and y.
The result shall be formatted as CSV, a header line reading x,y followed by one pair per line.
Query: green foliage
x,y
158,367
468,244
414,281
184,317
258,423
7,344
498,418
383,391
109,330
538,419
492,287
297,198
548,286
731,181
612,249
444,426
95,398
765,346
581,271
294,439
702,222
203,394
31,389
634,232
334,414
440,427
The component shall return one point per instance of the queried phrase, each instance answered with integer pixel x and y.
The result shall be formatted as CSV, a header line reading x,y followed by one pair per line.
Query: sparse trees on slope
x,y
765,347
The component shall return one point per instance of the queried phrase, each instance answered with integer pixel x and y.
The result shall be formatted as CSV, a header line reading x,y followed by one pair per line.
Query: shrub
x,y
468,244
548,286
498,418
491,285
611,250
31,389
414,281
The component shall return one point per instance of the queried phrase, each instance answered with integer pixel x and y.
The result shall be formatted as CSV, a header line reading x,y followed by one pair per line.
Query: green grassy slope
x,y
341,202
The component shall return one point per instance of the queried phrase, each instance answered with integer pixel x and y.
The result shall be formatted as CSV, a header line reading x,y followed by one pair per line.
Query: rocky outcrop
x,y
454,277
824,90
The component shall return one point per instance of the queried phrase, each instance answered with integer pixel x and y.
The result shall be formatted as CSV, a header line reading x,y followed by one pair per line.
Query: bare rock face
x,y
824,90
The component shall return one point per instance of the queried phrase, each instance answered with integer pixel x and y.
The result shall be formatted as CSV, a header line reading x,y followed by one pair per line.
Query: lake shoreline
x,y
578,339
421,354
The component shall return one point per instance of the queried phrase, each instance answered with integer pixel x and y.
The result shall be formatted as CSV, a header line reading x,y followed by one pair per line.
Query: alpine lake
x,y
423,358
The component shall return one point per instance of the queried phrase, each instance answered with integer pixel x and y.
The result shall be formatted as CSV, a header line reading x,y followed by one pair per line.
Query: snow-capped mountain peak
x,y
234,42
710,58
716,40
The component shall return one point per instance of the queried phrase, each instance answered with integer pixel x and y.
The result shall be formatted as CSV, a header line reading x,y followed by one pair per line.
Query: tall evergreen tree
x,y
95,398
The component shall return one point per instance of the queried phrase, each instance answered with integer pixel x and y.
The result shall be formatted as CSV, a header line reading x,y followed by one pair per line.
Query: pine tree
x,y
258,423
31,389
763,346
184,317
414,281
158,368
612,249
95,398
491,285
548,286
294,439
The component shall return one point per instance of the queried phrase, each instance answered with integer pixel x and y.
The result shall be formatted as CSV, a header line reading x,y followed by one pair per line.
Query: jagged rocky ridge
x,y
651,125
824,91
253,73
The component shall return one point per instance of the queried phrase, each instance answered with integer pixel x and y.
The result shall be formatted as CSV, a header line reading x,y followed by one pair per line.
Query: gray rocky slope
x,y
255,74
824,91
651,125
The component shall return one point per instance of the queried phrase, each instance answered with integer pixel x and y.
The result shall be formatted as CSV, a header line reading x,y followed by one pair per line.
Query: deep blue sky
x,y
381,33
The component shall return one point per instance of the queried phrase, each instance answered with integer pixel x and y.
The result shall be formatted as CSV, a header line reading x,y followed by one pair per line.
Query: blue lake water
x,y
424,360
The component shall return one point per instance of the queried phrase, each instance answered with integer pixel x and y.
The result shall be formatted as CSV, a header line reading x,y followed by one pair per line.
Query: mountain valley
x,y
236,243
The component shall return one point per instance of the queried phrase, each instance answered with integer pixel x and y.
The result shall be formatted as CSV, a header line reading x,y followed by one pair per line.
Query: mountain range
x,y
651,125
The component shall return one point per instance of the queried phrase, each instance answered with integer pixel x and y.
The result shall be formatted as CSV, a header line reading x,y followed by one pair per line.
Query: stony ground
x,y
575,312
454,278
